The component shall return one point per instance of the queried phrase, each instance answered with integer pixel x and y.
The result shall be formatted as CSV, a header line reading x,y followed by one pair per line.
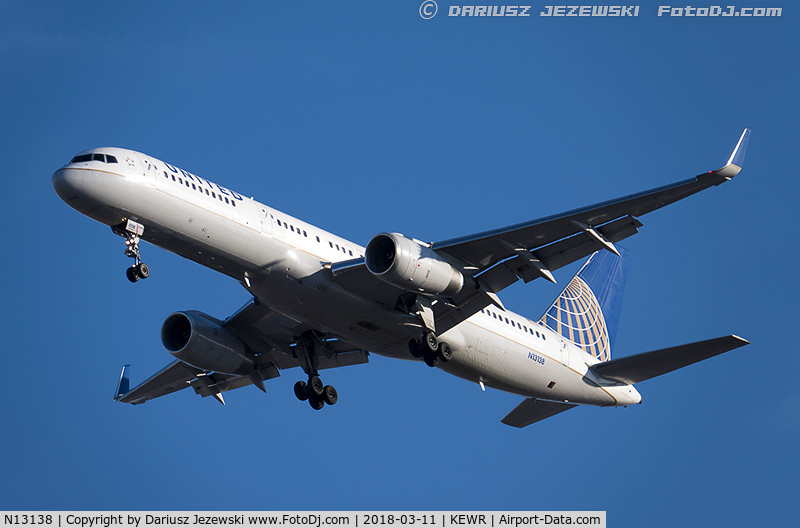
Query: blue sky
x,y
362,117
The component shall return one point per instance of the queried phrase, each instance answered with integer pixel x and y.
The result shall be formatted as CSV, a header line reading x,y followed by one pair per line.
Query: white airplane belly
x,y
507,365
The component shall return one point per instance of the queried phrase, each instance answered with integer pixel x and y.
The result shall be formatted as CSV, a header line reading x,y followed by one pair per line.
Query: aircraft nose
x,y
67,183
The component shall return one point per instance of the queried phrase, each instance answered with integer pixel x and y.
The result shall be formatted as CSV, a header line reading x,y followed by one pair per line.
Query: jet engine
x,y
197,339
404,262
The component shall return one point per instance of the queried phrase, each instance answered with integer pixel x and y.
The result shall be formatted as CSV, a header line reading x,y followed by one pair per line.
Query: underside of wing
x,y
493,260
270,336
608,221
533,410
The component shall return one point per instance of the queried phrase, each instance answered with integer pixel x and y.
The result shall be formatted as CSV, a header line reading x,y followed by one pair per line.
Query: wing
x,y
533,410
498,258
268,334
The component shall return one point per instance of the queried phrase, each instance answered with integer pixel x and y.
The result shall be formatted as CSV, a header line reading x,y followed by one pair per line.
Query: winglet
x,y
736,160
123,385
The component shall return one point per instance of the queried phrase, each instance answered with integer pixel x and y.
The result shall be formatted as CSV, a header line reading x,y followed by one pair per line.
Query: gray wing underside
x,y
495,259
268,334
533,410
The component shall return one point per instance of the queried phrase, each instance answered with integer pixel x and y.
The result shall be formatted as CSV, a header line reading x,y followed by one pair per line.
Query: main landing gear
x,y
430,349
315,392
131,231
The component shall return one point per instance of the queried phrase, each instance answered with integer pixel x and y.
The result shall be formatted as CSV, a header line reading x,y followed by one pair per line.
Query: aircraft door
x,y
564,352
266,220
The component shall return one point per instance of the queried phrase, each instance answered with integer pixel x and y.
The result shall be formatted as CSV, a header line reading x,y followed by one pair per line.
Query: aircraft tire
x,y
316,402
315,386
142,270
300,390
431,343
415,348
330,395
131,274
445,352
431,359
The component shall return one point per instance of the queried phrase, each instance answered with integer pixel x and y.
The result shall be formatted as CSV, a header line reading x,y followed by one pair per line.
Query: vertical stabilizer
x,y
587,311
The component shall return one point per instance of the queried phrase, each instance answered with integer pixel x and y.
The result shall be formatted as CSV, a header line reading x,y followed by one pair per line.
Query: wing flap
x,y
267,333
641,367
483,250
172,378
533,410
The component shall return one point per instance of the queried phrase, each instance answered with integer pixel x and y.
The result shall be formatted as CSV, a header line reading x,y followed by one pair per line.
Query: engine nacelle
x,y
403,262
195,338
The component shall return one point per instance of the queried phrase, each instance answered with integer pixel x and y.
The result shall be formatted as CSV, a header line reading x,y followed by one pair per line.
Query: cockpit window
x,y
94,157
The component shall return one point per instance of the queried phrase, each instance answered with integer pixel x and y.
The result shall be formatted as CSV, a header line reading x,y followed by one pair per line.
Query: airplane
x,y
320,301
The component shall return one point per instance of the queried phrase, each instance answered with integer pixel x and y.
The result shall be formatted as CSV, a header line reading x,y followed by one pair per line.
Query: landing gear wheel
x,y
300,390
142,270
315,386
133,276
431,359
316,402
131,231
415,348
329,395
445,352
430,341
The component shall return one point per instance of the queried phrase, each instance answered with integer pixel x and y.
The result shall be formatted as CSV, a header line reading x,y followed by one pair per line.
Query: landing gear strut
x,y
315,392
131,231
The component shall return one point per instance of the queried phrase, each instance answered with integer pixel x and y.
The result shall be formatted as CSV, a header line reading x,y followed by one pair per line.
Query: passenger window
x,y
213,194
233,203
194,187
180,181
187,183
318,239
173,177
351,253
206,192
226,200
279,223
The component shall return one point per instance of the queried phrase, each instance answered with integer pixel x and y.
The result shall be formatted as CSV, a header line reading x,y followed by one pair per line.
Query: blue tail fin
x,y
587,311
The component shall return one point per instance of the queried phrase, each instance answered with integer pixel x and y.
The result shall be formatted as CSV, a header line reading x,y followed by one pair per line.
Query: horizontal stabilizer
x,y
641,367
532,410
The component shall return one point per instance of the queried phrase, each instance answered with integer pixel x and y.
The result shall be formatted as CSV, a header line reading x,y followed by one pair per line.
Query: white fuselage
x,y
285,263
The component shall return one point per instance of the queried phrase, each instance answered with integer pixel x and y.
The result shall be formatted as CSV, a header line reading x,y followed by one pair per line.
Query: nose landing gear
x,y
131,231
